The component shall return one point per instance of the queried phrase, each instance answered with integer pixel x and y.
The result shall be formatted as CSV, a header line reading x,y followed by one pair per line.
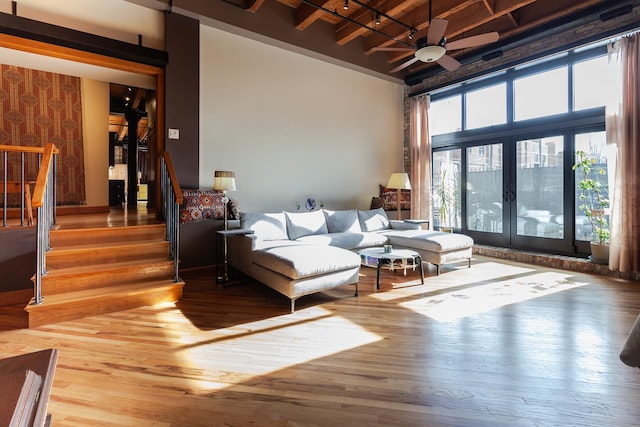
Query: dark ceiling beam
x,y
60,36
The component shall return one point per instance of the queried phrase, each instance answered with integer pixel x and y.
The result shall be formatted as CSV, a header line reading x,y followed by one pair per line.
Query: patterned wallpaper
x,y
37,107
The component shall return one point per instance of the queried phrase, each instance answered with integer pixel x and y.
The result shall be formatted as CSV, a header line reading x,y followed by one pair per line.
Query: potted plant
x,y
594,202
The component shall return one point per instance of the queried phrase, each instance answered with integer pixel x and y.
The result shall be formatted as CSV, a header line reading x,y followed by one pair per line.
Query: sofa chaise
x,y
300,253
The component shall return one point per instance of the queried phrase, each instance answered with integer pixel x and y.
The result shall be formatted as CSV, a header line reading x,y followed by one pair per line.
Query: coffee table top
x,y
379,253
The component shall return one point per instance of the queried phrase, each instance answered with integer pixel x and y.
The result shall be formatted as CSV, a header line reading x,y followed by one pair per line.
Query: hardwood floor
x,y
499,344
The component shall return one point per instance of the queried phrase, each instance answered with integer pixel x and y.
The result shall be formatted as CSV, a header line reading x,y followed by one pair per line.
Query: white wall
x,y
293,127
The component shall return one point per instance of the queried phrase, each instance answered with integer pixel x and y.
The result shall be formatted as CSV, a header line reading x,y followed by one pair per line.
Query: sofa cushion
x,y
346,240
433,241
341,221
305,223
266,226
299,261
373,219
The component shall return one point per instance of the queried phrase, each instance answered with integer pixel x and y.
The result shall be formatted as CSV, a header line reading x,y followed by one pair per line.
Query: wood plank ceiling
x,y
400,23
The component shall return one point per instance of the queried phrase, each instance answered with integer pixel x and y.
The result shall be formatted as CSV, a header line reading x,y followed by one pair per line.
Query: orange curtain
x,y
420,146
623,131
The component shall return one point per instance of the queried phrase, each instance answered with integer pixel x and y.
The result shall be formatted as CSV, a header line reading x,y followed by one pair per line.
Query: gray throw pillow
x,y
342,221
373,220
301,224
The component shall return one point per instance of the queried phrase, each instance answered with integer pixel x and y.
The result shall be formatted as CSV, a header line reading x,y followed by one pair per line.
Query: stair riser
x,y
61,238
61,283
64,259
42,315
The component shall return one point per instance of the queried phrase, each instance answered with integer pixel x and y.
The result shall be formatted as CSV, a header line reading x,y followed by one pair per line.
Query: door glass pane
x,y
487,106
484,188
446,189
542,94
539,189
445,115
593,144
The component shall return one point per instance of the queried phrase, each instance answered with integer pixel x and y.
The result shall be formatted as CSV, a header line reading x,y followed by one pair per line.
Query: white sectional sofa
x,y
299,253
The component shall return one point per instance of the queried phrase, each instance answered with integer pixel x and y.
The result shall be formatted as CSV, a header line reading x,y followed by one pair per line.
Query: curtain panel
x,y
420,149
623,132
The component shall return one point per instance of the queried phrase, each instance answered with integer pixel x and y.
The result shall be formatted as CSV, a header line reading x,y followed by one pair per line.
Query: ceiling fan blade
x,y
449,63
392,49
436,30
473,41
404,65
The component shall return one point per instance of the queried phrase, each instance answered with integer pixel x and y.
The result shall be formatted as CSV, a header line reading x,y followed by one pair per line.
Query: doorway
x,y
131,129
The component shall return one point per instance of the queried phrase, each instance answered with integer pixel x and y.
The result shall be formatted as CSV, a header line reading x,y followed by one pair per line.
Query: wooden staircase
x,y
93,271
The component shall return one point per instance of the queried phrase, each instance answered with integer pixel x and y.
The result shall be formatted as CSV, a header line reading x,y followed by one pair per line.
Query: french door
x,y
514,193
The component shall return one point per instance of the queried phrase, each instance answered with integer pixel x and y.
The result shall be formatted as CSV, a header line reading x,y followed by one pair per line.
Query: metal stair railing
x,y
12,183
44,201
171,201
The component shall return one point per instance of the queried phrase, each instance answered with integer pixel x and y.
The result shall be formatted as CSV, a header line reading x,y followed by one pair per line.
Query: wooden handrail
x,y
22,149
172,176
43,175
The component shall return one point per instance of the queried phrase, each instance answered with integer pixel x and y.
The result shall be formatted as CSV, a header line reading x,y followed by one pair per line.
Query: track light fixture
x,y
346,5
412,33
377,18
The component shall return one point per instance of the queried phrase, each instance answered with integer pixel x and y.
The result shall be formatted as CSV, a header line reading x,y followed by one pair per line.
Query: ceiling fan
x,y
434,47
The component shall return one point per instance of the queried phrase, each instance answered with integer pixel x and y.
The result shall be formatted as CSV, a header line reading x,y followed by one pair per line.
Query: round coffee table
x,y
380,257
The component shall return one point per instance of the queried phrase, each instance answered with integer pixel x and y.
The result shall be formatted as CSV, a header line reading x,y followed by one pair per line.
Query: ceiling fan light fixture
x,y
430,53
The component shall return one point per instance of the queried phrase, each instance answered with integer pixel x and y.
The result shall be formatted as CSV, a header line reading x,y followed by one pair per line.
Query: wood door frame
x,y
76,55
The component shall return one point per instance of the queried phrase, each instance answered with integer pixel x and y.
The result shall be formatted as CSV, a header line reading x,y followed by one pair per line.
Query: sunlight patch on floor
x,y
482,272
460,303
268,345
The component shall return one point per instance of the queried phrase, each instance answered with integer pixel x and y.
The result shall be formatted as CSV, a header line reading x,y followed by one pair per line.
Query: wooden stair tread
x,y
130,228
84,269
106,245
110,292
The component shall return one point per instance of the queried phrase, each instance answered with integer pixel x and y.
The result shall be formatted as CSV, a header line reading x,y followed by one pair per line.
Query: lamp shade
x,y
224,181
399,181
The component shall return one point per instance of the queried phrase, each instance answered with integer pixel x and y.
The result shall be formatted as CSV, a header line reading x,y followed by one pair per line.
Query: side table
x,y
383,257
424,223
224,277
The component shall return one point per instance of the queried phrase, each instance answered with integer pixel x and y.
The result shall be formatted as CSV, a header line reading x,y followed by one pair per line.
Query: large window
x,y
503,148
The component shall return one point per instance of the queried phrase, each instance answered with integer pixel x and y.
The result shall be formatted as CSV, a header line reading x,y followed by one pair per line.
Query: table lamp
x,y
224,181
399,181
